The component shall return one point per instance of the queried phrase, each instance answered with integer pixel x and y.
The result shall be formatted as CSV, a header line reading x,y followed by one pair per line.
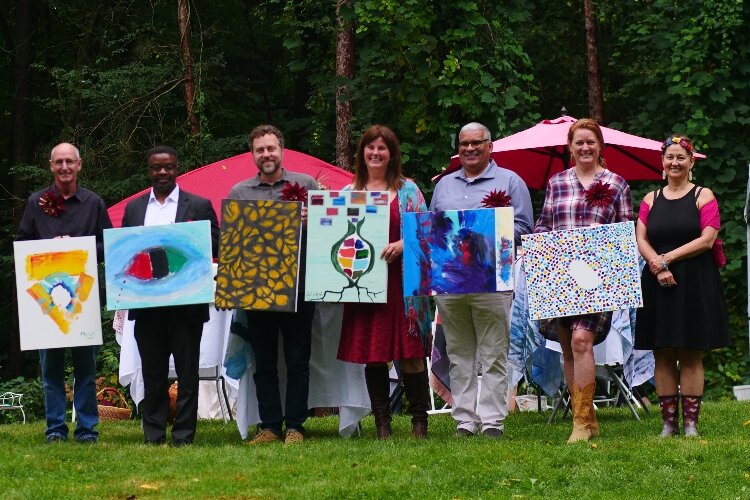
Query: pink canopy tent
x,y
214,181
541,151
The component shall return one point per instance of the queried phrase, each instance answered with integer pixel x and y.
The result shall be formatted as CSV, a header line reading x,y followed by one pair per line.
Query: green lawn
x,y
531,461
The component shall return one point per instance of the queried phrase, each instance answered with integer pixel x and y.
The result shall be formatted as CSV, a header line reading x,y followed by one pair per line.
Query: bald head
x,y
65,163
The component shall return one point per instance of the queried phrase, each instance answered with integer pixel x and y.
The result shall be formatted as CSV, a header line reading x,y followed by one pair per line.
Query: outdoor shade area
x,y
541,151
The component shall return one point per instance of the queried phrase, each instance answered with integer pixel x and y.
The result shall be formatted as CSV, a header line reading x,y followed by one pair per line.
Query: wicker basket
x,y
172,403
119,411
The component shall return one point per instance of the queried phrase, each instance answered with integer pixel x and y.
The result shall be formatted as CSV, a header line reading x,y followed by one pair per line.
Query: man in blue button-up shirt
x,y
476,325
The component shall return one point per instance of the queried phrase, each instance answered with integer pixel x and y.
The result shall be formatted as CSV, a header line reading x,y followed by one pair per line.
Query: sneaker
x,y
264,436
293,436
87,440
492,433
461,432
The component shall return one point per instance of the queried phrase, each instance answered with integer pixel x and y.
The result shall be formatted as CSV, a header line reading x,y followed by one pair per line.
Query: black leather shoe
x,y
492,433
461,432
155,442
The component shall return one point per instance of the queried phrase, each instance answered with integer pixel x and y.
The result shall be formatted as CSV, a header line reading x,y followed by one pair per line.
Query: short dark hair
x,y
160,150
262,130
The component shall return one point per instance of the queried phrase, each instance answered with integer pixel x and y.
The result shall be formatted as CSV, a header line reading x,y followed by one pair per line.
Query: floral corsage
x,y
294,192
52,204
496,199
599,194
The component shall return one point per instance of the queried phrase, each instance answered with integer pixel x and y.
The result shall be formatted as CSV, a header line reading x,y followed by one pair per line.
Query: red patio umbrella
x,y
541,151
214,181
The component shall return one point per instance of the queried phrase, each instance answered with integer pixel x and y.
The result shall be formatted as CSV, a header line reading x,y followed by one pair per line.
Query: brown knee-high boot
x,y
584,417
378,387
416,386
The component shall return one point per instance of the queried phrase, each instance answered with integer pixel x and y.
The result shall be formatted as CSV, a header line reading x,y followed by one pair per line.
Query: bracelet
x,y
664,266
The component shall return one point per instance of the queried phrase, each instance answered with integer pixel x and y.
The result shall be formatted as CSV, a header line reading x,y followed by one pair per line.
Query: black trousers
x,y
159,333
295,330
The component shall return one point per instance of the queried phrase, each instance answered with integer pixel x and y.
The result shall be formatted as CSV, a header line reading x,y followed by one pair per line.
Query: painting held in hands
x,y
458,251
346,232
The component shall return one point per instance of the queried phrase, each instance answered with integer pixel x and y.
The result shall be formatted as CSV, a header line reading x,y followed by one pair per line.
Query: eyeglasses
x,y
63,161
157,168
473,144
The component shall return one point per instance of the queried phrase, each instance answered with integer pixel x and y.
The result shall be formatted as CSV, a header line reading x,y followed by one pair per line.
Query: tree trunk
x,y
596,101
344,70
21,155
183,19
23,35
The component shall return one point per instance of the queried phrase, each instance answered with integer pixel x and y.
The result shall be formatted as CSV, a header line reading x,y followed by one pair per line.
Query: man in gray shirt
x,y
476,325
267,146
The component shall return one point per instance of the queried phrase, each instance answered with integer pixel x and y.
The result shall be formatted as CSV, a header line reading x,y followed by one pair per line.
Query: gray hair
x,y
477,126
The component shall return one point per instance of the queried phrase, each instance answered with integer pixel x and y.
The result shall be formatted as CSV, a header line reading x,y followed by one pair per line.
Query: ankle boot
x,y
691,408
378,387
416,386
583,412
668,406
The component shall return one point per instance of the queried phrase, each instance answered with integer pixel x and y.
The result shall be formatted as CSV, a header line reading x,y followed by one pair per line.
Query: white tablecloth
x,y
333,383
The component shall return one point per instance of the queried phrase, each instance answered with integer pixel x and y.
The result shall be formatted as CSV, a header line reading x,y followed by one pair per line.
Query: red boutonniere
x,y
496,199
294,192
52,204
599,194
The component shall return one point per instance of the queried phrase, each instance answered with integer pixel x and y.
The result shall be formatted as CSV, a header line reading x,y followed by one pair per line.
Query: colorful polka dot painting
x,y
582,271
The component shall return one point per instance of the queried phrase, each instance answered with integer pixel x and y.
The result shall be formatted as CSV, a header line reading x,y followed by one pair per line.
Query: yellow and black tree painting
x,y
259,254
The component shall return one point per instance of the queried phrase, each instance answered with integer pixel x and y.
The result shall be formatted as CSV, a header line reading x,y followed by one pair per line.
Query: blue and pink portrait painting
x,y
458,251
154,266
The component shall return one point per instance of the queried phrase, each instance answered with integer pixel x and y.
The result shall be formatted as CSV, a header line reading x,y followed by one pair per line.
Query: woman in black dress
x,y
684,312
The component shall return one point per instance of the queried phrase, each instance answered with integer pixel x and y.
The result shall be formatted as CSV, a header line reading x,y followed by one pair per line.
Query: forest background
x,y
121,76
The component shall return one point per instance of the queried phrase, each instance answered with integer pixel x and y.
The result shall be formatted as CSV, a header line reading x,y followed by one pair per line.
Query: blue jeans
x,y
84,391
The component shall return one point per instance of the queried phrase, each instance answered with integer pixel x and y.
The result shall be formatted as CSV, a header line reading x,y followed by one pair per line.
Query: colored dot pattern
x,y
608,250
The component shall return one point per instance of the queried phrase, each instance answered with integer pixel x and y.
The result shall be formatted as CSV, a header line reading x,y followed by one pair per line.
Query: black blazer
x,y
189,208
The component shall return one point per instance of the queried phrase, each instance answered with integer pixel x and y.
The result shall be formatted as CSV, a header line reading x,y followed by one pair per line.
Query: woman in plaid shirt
x,y
585,195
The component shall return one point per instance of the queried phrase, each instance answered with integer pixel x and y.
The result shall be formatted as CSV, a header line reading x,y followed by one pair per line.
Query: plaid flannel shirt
x,y
565,205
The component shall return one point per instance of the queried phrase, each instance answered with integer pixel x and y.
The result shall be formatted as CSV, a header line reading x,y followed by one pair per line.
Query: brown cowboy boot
x,y
378,387
416,387
583,412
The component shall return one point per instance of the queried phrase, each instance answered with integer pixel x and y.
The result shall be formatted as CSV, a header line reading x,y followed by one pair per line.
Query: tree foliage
x,y
108,76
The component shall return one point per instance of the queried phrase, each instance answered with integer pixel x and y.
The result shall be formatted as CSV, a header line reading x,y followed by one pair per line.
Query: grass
x,y
531,461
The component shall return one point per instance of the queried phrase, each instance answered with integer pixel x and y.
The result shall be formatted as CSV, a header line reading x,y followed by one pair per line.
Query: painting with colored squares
x,y
259,252
582,271
155,266
346,232
58,293
458,251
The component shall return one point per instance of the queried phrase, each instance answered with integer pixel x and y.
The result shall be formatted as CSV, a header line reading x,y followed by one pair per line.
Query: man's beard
x,y
269,168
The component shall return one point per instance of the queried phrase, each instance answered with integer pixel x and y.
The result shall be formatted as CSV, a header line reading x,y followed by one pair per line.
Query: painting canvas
x,y
582,271
259,254
346,232
458,251
58,293
155,266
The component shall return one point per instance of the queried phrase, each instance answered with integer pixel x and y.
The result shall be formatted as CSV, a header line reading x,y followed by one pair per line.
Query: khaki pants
x,y
476,330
